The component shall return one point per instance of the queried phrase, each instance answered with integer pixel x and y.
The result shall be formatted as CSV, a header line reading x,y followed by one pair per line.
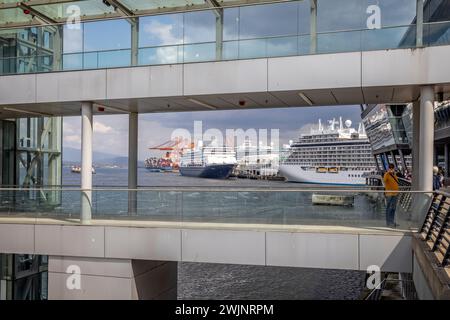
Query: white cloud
x,y
72,138
163,32
102,128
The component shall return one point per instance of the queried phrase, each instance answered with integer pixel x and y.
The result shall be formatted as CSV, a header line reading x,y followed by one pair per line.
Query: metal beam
x,y
35,13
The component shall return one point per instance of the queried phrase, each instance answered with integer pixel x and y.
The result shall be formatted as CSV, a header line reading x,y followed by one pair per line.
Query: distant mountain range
x,y
73,156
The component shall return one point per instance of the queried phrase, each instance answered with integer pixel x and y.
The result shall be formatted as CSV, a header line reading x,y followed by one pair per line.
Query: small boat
x,y
77,169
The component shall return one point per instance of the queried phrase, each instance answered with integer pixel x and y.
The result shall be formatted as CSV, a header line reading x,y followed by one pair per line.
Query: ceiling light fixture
x,y
305,98
203,104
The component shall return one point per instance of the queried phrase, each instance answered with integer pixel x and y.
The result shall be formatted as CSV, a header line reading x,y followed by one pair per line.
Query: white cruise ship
x,y
212,162
334,155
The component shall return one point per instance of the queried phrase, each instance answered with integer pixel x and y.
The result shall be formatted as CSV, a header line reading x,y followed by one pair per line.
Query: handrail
x,y
216,189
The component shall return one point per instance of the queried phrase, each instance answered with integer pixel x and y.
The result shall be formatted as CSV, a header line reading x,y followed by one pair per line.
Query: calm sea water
x,y
221,281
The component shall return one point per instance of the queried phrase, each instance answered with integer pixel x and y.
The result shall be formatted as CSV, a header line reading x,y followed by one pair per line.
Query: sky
x,y
111,131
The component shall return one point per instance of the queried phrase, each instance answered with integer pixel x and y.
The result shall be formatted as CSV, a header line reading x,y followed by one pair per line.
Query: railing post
x,y
132,161
419,24
134,41
313,27
86,162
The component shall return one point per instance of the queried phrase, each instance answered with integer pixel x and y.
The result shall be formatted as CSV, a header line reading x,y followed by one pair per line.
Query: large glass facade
x,y
253,31
23,277
385,126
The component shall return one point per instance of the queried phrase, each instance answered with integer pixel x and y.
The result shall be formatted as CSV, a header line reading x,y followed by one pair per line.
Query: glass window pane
x,y
395,12
339,42
389,38
437,34
230,50
161,55
199,26
107,35
73,38
268,20
252,48
278,47
304,15
200,52
335,15
73,61
160,30
116,58
90,60
231,24
304,45
436,10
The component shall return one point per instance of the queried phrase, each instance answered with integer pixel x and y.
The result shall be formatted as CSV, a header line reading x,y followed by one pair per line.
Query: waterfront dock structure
x,y
305,59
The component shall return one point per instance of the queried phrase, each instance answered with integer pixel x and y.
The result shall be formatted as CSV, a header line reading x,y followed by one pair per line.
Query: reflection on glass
x,y
231,24
436,11
395,12
200,26
249,49
230,50
200,52
339,42
110,59
389,38
73,61
107,35
335,15
161,30
278,47
73,38
436,34
269,20
160,55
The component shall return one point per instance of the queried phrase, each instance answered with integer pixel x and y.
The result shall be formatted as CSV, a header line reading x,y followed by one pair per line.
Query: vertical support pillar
x,y
86,162
132,161
419,23
426,139
57,48
446,167
134,41
415,145
219,34
313,27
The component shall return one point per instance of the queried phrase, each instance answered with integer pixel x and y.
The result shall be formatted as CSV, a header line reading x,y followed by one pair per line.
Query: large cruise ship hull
x,y
216,171
295,173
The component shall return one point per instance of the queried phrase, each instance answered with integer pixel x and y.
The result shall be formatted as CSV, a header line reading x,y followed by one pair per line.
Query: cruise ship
x,y
215,162
334,155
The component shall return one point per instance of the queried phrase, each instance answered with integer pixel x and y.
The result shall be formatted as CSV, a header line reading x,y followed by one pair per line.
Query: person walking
x,y
436,179
391,192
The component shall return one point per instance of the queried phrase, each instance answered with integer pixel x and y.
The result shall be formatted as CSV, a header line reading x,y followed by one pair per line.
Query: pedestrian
x,y
436,179
391,192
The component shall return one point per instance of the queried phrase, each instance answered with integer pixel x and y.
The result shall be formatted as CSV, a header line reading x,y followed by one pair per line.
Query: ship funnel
x,y
340,123
320,125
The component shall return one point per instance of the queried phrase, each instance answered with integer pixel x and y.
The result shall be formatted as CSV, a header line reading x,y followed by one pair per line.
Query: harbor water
x,y
220,281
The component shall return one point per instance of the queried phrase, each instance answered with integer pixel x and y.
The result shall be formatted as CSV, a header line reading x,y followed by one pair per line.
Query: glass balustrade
x,y
355,207
246,32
